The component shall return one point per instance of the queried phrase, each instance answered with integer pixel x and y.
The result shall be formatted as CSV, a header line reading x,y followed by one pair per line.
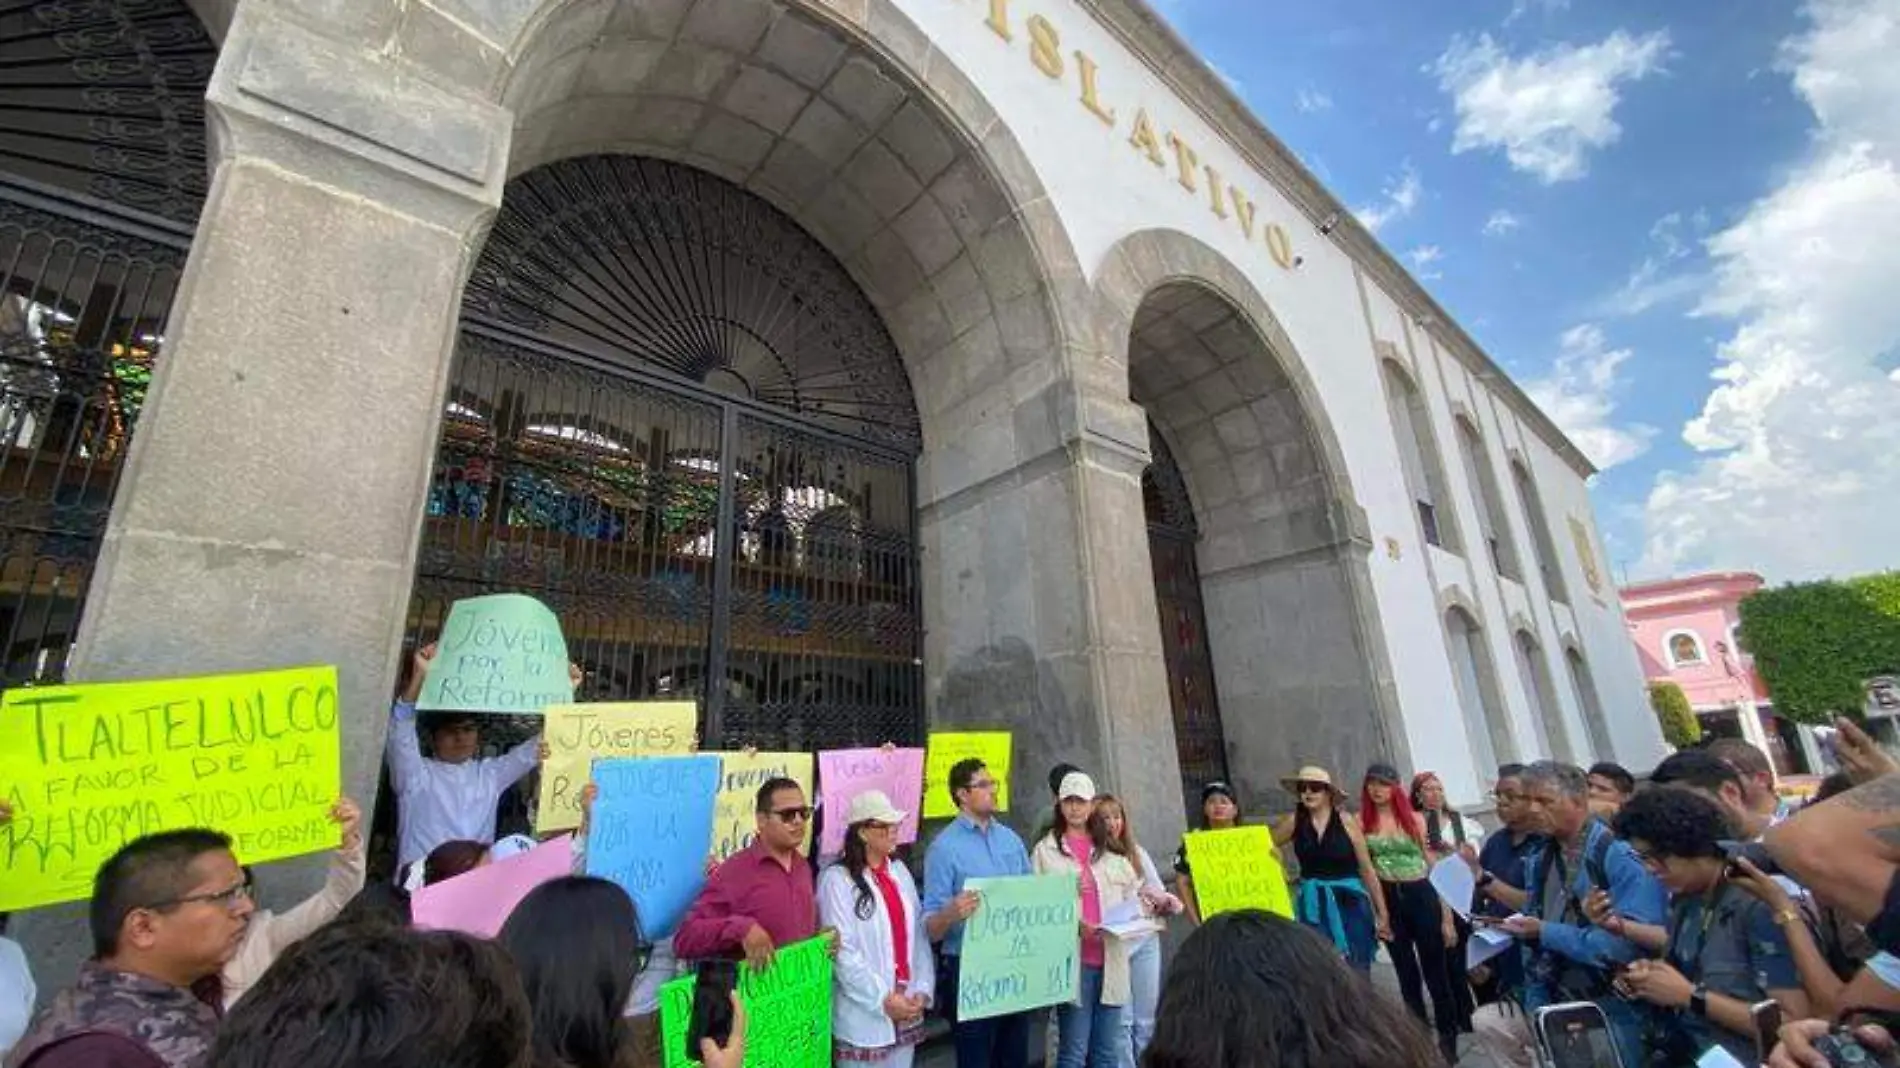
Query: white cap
x,y
1076,784
512,846
873,805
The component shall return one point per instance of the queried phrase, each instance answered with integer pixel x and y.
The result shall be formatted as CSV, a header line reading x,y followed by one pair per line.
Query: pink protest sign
x,y
845,773
481,900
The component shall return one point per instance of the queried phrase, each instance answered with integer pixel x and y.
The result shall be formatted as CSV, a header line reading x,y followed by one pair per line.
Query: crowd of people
x,y
1678,908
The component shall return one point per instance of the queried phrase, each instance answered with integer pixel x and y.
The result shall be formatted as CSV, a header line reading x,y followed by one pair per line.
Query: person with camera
x,y
1567,957
1723,949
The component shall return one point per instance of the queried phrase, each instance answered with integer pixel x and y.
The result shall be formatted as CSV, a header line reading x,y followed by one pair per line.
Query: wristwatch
x,y
1699,1001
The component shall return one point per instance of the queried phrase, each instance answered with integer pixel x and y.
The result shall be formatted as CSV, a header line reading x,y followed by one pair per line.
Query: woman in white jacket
x,y
884,973
1090,1029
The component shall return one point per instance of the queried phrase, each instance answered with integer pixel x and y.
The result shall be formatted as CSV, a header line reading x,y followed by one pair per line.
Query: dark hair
x,y
1618,775
450,859
1057,774
378,903
1674,823
763,802
576,941
146,873
430,722
855,861
1742,755
1252,990
1837,783
1696,768
381,997
1208,792
962,774
1509,771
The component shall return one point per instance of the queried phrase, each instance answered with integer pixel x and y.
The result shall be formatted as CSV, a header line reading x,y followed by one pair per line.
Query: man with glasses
x,y
1566,957
974,845
168,910
762,897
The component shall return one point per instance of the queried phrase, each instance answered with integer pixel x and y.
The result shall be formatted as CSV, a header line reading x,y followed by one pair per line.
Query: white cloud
x,y
1520,8
1800,467
1663,277
1547,110
1312,100
1580,396
1422,257
1397,200
1501,222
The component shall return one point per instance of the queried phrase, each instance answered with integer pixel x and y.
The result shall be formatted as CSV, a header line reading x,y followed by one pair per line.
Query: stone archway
x,y
1299,658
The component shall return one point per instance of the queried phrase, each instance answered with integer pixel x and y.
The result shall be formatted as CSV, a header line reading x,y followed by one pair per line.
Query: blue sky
x,y
1621,200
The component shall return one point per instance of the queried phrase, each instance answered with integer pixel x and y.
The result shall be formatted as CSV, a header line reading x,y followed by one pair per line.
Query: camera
x,y
1754,852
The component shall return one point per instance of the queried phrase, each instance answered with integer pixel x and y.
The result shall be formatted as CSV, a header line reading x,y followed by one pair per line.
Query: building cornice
x,y
1150,39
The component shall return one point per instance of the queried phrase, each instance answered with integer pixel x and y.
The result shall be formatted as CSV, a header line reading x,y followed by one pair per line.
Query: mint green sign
x,y
1021,949
502,654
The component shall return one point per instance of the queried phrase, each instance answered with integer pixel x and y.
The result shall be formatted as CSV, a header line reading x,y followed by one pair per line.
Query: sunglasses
x,y
1315,788
793,815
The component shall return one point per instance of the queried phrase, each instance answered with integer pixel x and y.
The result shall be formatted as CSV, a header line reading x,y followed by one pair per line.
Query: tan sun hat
x,y
1313,773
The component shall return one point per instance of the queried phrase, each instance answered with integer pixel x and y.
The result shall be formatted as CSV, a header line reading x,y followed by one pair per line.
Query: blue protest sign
x,y
649,832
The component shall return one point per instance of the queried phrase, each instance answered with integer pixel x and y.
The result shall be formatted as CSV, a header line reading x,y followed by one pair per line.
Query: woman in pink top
x,y
1090,1028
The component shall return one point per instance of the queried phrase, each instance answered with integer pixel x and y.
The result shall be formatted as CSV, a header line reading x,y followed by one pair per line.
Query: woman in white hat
x,y
1090,1029
1338,885
884,973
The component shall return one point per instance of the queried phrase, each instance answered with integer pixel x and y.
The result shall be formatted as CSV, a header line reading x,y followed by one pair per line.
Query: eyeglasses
x,y
230,898
982,784
793,815
876,825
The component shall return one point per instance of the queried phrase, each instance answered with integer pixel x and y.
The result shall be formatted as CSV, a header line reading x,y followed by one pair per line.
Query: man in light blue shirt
x,y
974,845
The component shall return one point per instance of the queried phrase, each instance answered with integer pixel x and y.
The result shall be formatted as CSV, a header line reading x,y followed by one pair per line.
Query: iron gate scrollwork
x,y
1199,740
675,420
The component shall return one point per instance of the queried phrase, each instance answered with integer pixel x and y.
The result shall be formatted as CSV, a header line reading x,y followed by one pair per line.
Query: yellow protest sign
x,y
947,750
1237,869
89,768
735,816
576,734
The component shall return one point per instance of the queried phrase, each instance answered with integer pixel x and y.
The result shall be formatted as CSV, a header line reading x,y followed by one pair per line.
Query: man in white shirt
x,y
452,794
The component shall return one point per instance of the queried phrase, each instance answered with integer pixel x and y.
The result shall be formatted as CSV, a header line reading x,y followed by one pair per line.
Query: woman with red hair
x,y
1422,925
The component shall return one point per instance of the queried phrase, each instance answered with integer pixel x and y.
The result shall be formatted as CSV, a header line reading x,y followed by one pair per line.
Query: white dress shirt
x,y
438,802
865,972
16,994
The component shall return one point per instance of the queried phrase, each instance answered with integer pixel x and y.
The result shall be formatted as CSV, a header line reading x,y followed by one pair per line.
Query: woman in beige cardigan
x,y
271,933
1090,1028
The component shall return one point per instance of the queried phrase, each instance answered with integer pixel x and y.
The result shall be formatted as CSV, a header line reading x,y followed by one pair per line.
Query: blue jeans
x,y
1144,993
1091,1033
998,1042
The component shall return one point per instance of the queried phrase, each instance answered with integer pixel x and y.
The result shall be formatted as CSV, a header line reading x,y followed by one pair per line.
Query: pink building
x,y
1685,633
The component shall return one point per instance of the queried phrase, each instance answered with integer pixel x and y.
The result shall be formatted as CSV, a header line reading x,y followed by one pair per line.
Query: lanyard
x,y
1711,905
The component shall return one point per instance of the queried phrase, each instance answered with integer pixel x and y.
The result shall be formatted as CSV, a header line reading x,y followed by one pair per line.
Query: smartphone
x,y
1755,852
1575,1034
1767,1017
712,1005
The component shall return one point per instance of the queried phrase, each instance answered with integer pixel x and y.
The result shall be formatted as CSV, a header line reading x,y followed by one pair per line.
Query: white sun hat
x,y
873,805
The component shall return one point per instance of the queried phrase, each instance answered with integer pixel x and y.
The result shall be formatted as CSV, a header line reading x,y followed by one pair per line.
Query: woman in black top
x,y
1335,868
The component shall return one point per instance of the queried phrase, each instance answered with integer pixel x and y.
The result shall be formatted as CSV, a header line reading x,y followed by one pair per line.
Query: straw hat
x,y
1313,773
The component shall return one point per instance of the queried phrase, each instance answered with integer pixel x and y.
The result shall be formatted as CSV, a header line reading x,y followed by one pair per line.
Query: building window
x,y
1484,492
1541,543
1418,452
1683,648
1486,721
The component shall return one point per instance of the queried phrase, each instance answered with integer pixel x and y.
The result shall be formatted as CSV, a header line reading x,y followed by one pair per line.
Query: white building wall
x,y
1105,188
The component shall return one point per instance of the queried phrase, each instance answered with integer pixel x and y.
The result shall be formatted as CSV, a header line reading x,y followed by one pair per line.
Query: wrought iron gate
x,y
102,175
1172,533
674,419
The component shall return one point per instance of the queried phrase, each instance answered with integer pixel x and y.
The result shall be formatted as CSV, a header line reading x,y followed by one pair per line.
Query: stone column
x,y
1040,601
270,511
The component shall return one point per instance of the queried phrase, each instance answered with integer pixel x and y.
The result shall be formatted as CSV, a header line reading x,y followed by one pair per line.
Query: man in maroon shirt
x,y
762,898
168,910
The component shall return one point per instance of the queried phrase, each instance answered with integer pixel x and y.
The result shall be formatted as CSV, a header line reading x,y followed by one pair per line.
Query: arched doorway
x,y
675,419
102,177
1200,744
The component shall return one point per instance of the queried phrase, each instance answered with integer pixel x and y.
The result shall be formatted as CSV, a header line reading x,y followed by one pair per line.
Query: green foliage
x,y
1817,643
1680,728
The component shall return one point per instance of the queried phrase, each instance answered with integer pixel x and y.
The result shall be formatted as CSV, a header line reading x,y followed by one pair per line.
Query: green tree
x,y
1817,643
1680,728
